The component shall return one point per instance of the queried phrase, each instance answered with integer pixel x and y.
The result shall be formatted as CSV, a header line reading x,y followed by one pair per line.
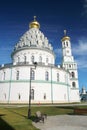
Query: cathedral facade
x,y
33,73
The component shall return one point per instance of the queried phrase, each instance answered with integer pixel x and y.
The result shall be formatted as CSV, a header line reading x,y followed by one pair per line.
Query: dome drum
x,y
29,54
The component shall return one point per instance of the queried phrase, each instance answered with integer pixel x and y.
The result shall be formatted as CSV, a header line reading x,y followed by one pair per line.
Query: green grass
x,y
16,118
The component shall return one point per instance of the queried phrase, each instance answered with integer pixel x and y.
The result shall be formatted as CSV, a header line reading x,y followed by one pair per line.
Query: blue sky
x,y
54,16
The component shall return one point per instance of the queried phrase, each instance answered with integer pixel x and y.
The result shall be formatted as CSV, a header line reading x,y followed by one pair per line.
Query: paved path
x,y
63,122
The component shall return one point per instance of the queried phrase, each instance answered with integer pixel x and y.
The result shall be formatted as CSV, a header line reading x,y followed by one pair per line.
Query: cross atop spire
x,y
65,37
34,24
34,18
65,31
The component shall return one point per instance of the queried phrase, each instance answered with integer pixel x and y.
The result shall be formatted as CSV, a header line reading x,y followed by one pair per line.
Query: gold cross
x,y
65,32
34,18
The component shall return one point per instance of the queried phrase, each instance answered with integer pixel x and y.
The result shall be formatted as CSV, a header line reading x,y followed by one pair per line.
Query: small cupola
x,y
65,37
34,24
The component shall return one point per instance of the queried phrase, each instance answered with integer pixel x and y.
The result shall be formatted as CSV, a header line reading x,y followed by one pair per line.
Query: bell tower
x,y
67,59
66,48
69,64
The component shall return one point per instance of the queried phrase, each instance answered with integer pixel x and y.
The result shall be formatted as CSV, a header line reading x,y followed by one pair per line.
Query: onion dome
x,y
65,37
34,24
33,38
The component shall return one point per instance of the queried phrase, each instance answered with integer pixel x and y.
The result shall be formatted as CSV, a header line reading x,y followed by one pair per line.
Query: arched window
x,y
67,44
73,84
5,95
57,77
32,59
46,75
32,94
47,60
64,44
25,59
17,75
73,74
23,44
69,66
19,96
32,75
44,96
40,59
18,59
30,43
37,42
4,75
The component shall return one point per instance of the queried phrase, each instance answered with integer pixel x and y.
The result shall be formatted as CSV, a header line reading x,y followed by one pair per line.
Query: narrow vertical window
x,y
40,59
44,96
17,75
64,44
23,44
19,96
18,59
25,59
73,84
32,59
69,66
57,77
30,43
32,94
5,95
4,75
73,75
32,75
46,60
47,76
67,44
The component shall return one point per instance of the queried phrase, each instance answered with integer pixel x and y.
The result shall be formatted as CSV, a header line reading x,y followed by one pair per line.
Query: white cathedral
x,y
45,82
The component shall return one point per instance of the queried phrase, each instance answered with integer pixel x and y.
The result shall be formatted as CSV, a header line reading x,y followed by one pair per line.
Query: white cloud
x,y
82,63
80,49
80,52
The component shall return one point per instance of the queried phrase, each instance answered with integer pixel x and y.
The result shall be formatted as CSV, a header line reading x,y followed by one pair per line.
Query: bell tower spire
x,y
65,32
66,47
34,18
68,61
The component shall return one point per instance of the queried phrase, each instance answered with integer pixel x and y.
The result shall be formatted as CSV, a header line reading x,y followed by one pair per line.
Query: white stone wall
x,y
10,88
74,95
13,91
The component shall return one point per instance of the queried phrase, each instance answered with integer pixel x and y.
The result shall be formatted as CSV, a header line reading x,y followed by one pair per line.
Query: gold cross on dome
x,y
34,18
65,32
